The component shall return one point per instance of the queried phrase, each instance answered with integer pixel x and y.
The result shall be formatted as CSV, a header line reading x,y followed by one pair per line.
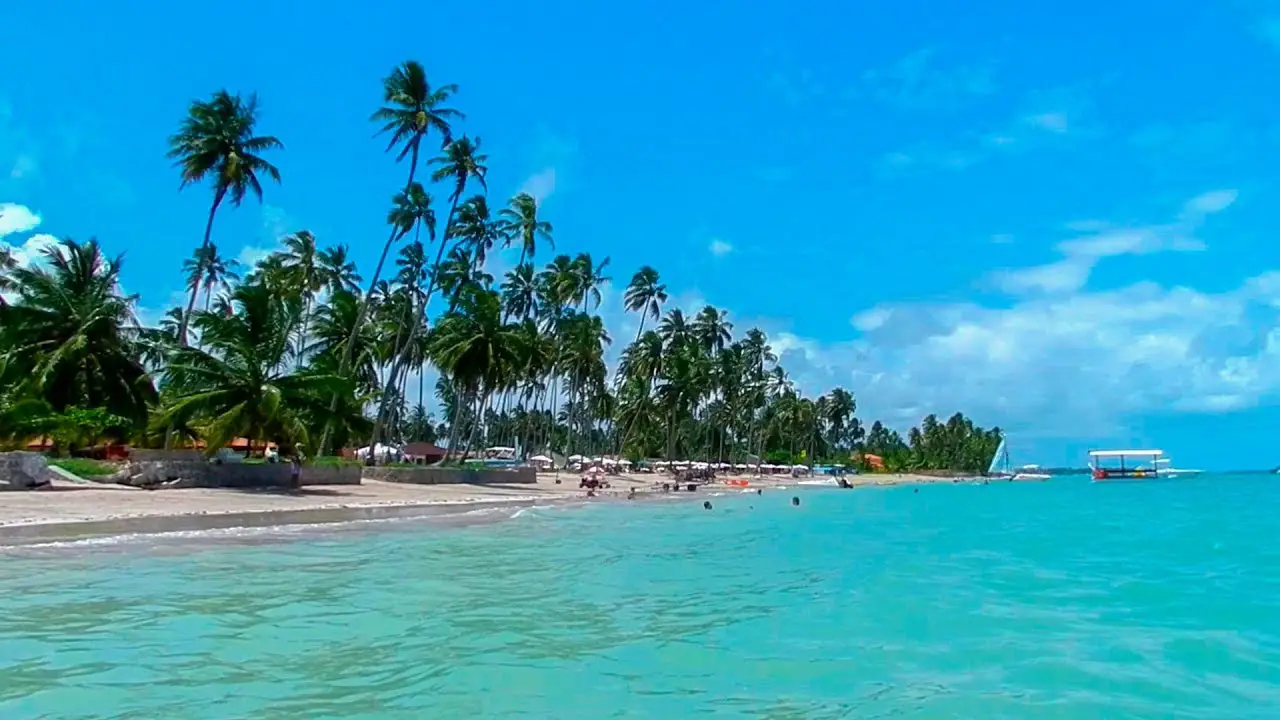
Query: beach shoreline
x,y
70,511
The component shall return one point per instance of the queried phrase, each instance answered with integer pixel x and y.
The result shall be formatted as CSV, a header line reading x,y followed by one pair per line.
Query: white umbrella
x,y
540,458
610,461
576,458
624,462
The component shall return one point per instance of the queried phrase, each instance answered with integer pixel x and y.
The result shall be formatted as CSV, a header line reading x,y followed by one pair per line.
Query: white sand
x,y
71,504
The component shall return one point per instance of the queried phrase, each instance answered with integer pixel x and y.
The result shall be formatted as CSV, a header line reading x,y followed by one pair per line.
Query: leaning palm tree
x,y
521,224
217,141
645,295
219,274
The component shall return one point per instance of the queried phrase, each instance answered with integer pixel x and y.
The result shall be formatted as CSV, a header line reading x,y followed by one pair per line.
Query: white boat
x,y
1165,469
1031,472
1119,470
1000,468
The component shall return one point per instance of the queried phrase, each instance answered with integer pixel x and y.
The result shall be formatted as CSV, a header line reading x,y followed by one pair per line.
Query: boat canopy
x,y
1125,453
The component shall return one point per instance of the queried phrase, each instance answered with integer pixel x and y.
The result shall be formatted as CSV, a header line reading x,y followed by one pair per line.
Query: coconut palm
x,y
413,108
238,384
337,272
217,141
646,295
520,223
474,348
71,338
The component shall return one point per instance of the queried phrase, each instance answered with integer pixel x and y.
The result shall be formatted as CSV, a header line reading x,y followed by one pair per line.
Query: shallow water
x,y
1064,599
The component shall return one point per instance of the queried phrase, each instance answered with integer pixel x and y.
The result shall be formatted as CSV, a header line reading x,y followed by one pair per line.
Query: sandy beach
x,y
76,509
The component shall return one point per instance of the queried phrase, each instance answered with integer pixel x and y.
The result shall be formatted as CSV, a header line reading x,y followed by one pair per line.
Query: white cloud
x,y
720,248
1062,363
276,224
918,81
541,185
22,167
33,249
1054,122
16,218
1101,240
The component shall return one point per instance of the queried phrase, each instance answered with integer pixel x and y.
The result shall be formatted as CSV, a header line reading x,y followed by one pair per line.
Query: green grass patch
x,y
85,467
334,461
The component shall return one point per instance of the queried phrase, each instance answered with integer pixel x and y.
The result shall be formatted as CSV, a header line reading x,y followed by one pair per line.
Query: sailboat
x,y
1000,467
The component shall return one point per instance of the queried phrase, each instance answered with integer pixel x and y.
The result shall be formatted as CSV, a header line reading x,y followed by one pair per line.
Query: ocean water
x,y
1064,599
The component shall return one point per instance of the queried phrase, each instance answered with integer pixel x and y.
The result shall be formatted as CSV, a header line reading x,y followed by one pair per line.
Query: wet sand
x,y
73,510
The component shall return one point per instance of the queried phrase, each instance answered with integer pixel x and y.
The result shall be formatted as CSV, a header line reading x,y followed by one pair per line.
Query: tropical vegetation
x,y
303,350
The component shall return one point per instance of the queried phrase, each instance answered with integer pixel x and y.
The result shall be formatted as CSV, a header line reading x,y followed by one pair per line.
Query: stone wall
x,y
204,474
450,476
23,471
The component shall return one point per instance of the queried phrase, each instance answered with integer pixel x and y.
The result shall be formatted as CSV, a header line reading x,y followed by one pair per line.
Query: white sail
x,y
995,459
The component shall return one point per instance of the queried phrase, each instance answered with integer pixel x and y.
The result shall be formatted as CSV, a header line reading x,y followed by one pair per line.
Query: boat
x,y
1000,467
1119,471
1166,469
1031,472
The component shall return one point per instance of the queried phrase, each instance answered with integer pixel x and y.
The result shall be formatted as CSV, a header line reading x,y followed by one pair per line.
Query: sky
x,y
1055,217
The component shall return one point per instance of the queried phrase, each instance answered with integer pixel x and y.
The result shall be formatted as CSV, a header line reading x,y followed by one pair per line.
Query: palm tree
x,y
337,272
645,295
475,348
219,273
521,224
70,337
238,386
413,108
476,230
217,141
302,265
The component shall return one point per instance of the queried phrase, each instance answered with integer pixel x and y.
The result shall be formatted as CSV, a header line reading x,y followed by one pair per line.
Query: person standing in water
x,y
795,501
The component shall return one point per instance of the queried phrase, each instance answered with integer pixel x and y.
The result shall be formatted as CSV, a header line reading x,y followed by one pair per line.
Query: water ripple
x,y
1058,600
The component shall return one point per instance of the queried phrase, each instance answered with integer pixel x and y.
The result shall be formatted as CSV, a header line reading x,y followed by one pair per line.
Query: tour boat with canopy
x,y
1117,469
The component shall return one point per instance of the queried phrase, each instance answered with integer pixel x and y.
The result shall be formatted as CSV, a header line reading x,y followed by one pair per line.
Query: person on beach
x,y
295,470
631,494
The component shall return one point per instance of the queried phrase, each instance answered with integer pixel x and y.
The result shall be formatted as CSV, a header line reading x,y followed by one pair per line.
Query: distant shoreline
x,y
76,512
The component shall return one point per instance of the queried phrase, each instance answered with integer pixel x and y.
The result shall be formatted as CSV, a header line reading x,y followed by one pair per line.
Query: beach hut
x,y
423,453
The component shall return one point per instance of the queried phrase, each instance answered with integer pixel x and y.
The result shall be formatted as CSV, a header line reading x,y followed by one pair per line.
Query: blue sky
x,y
1055,217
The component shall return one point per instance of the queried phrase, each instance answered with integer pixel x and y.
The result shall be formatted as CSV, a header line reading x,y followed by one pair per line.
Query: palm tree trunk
x,y
195,288
345,365
455,425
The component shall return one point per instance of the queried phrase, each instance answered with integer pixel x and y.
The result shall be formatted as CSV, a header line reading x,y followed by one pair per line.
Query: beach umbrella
x,y
540,458
576,458
624,462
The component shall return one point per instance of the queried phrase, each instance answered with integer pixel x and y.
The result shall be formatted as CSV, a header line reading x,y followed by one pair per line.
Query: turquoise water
x,y
1063,599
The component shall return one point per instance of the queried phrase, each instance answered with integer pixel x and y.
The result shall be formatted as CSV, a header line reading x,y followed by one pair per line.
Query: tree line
x,y
302,350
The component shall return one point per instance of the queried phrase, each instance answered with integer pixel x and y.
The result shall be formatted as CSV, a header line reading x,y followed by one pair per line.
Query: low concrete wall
x,y
201,473
452,476
144,455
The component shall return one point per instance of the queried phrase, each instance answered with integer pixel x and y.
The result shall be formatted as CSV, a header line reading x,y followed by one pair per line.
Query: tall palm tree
x,y
219,274
645,295
476,230
412,109
217,140
521,224
302,265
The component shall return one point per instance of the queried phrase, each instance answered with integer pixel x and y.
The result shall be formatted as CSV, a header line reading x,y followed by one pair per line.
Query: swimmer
x,y
632,494
706,505
795,501
917,491
759,491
